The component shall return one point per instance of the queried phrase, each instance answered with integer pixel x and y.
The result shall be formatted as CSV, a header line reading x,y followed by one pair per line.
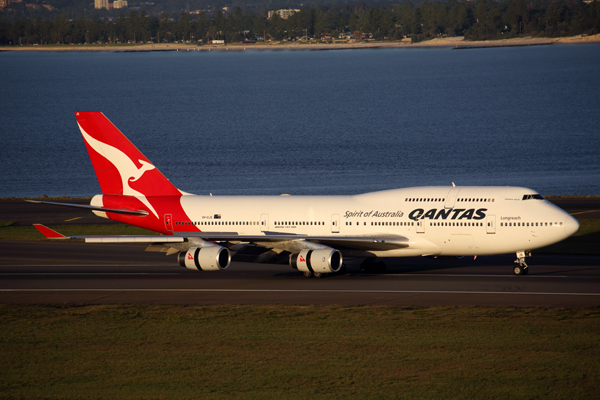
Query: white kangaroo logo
x,y
127,169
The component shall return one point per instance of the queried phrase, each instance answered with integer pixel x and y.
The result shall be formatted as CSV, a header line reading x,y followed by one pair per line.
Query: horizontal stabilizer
x,y
94,208
49,233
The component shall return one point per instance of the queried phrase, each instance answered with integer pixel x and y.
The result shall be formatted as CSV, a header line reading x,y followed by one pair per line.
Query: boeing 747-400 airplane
x,y
317,231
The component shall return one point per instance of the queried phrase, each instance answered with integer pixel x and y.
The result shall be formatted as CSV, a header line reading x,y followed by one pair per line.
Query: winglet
x,y
49,233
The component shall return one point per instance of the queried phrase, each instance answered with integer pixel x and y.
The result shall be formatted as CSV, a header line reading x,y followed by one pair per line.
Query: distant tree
x,y
61,28
353,23
220,24
153,26
260,26
164,28
235,26
182,28
201,27
322,24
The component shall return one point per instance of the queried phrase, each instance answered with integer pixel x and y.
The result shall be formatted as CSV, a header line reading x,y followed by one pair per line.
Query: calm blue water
x,y
310,122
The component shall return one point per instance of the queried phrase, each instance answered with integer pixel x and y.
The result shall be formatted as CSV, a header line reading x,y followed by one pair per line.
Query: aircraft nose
x,y
571,225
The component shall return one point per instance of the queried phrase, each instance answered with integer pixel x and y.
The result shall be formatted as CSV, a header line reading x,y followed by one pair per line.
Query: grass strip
x,y
316,352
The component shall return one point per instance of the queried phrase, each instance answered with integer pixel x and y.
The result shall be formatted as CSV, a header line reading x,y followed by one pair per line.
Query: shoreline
x,y
452,42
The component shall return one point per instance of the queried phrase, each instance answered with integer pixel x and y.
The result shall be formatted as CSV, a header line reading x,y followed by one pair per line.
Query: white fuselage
x,y
437,221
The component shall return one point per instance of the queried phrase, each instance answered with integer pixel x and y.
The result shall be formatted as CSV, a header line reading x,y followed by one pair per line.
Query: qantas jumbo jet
x,y
317,231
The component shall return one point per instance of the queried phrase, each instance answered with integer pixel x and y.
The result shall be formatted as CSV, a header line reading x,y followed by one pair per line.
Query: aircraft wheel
x,y
318,275
367,264
381,267
308,274
519,270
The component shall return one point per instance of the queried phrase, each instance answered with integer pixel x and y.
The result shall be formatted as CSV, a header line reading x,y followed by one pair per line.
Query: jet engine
x,y
321,260
210,258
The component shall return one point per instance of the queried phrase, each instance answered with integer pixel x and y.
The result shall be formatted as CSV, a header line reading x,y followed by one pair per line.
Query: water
x,y
310,122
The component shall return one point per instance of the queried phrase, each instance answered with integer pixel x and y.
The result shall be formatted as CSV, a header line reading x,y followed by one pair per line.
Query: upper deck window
x,y
533,196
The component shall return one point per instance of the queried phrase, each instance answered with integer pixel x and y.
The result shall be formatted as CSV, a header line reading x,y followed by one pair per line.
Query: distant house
x,y
120,4
283,14
218,41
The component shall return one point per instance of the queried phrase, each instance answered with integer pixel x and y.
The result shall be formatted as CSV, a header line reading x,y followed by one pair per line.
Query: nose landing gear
x,y
521,268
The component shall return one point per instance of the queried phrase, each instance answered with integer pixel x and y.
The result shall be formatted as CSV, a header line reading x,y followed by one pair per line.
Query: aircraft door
x,y
264,222
451,198
335,223
491,224
420,226
169,222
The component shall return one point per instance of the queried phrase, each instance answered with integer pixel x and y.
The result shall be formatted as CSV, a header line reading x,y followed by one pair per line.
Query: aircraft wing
x,y
373,242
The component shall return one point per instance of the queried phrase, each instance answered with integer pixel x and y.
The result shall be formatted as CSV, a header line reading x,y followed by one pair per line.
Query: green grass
x,y
316,352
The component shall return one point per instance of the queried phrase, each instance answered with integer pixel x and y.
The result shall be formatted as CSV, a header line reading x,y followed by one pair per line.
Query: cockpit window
x,y
533,196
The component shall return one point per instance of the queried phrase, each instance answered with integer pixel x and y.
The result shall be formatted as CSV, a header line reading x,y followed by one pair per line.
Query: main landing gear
x,y
310,274
319,275
521,268
371,264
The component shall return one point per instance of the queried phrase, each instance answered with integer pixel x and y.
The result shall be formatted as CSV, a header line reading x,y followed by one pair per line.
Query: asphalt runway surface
x,y
73,272
68,272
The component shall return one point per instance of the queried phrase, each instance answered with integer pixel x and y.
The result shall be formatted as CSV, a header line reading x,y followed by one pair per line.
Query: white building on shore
x,y
120,4
98,4
283,14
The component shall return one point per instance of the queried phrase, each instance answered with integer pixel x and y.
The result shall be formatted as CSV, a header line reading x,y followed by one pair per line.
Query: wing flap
x,y
374,242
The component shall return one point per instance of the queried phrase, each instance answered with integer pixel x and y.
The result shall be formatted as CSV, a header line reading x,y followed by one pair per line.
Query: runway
x,y
73,272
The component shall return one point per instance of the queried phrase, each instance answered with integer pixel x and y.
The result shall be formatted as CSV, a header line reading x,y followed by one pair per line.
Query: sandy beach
x,y
454,42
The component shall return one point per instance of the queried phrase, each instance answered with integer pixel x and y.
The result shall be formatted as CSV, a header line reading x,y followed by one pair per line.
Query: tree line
x,y
476,21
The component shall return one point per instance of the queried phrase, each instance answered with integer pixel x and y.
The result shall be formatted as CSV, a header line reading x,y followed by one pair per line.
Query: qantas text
x,y
457,213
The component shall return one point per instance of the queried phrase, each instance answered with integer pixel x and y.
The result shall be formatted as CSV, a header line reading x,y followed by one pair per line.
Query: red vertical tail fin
x,y
120,167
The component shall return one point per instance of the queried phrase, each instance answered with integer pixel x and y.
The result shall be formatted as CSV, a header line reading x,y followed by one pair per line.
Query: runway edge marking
x,y
295,291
